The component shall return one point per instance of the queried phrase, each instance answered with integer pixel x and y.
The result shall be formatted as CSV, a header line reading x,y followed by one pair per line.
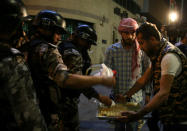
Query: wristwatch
x,y
127,98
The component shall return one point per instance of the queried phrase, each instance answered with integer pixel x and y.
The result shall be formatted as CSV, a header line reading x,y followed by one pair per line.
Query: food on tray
x,y
116,110
131,104
112,111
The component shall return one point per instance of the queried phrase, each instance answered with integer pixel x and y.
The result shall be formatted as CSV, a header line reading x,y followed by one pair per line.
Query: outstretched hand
x,y
120,98
105,100
128,116
109,81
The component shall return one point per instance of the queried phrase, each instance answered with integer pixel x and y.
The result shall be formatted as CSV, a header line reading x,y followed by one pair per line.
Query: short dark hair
x,y
148,30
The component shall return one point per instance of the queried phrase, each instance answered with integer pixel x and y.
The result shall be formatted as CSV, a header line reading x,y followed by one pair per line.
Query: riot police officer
x,y
75,56
19,109
48,70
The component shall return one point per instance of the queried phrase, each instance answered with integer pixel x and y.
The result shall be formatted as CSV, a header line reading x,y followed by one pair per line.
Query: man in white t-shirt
x,y
168,73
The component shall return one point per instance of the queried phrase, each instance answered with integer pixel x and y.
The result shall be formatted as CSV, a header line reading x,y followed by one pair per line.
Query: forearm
x,y
155,102
140,83
91,93
80,81
137,86
161,96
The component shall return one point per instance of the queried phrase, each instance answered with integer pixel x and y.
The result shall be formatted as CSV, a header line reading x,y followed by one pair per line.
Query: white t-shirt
x,y
171,65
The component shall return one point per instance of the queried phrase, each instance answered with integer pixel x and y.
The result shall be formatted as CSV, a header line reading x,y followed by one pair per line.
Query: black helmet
x,y
87,33
12,13
50,20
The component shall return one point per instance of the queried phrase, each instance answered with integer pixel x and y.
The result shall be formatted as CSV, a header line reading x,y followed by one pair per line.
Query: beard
x,y
128,42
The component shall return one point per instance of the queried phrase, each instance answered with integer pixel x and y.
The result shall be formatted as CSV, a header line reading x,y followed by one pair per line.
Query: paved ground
x,y
87,114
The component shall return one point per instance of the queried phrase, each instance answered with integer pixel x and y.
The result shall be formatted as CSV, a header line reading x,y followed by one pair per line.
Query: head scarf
x,y
127,24
130,25
135,65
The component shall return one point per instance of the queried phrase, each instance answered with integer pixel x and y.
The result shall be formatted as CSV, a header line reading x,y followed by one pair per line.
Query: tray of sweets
x,y
110,113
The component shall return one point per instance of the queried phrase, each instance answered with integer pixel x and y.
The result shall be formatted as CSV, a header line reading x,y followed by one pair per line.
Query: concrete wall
x,y
98,12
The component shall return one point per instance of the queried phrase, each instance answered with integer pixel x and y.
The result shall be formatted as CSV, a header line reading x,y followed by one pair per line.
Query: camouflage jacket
x,y
49,73
19,109
174,110
76,64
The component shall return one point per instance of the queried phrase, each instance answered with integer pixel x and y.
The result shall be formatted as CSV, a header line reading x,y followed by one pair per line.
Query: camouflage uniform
x,y
174,110
77,62
49,73
19,109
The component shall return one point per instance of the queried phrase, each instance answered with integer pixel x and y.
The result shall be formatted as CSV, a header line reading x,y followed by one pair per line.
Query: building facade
x,y
103,15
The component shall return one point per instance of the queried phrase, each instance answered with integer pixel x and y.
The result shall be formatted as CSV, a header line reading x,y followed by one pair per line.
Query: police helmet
x,y
50,20
12,13
87,33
